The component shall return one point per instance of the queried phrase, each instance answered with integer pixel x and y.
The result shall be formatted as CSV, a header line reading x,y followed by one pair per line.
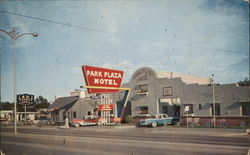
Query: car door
x,y
160,120
166,120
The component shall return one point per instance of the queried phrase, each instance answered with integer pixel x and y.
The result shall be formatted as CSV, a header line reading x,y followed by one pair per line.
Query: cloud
x,y
196,37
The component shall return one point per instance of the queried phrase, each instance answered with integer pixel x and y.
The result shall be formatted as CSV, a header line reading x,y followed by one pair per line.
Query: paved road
x,y
123,140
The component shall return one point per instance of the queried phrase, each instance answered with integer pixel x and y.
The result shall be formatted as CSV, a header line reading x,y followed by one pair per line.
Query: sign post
x,y
25,110
25,99
103,80
187,108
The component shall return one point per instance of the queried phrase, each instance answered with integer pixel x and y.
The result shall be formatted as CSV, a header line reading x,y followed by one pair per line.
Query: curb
x,y
248,132
124,127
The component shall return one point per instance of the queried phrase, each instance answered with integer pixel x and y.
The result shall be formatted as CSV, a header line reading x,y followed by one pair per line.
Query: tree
x,y
41,102
7,106
246,82
10,106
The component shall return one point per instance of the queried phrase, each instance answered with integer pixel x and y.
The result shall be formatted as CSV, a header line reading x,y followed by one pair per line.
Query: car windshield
x,y
153,116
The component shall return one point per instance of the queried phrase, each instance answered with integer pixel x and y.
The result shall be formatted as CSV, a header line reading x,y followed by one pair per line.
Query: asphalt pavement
x,y
123,140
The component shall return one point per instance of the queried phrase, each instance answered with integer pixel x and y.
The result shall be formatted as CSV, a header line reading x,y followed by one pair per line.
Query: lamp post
x,y
212,80
14,35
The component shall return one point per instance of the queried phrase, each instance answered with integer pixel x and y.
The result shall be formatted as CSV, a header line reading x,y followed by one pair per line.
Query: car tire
x,y
154,124
174,122
77,125
137,125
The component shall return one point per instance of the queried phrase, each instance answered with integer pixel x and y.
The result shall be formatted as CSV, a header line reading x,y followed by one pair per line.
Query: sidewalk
x,y
218,132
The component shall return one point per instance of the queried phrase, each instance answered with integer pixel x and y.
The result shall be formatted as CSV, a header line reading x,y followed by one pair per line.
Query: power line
x,y
43,22
51,21
198,27
119,34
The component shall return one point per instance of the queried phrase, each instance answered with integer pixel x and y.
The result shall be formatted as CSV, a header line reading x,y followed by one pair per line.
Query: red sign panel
x,y
102,77
105,107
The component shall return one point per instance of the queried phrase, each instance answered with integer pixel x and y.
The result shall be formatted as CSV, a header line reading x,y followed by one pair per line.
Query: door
x,y
177,110
165,109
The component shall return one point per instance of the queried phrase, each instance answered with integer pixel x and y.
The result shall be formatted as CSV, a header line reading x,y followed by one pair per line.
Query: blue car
x,y
158,120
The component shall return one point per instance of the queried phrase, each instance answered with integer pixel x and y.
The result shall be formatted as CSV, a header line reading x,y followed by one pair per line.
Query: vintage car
x,y
85,121
3,119
158,120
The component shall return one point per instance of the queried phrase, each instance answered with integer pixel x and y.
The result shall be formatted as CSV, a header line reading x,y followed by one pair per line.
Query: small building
x,y
7,115
72,107
78,92
30,116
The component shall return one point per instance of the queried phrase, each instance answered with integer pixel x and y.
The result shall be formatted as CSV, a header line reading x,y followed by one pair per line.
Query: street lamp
x,y
14,35
212,80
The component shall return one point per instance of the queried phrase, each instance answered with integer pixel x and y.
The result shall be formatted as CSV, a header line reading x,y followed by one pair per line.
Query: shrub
x,y
248,124
128,119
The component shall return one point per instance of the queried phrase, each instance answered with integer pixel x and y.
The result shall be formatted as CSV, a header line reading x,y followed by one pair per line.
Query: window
x,y
188,108
74,114
143,110
143,88
199,106
89,112
167,91
153,116
217,109
159,117
245,109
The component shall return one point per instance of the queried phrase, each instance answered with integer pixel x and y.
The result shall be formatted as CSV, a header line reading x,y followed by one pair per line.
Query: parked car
x,y
43,120
158,120
3,119
85,121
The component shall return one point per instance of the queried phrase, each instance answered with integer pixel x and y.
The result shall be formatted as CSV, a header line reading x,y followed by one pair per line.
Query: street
x,y
126,140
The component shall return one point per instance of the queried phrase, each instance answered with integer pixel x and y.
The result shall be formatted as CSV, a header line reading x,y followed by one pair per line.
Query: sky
x,y
198,37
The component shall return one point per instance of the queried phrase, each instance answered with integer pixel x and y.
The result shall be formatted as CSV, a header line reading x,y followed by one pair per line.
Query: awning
x,y
245,101
53,109
217,102
170,100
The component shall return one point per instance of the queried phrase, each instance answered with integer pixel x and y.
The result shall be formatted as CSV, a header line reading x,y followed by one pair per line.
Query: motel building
x,y
171,93
168,93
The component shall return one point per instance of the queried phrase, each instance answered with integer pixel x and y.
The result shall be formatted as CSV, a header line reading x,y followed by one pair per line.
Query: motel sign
x,y
102,77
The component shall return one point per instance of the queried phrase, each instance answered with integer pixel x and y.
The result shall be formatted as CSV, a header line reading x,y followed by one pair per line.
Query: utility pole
x,y
214,118
14,35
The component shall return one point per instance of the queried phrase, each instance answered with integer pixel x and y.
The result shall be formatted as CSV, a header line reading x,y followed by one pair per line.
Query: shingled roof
x,y
63,103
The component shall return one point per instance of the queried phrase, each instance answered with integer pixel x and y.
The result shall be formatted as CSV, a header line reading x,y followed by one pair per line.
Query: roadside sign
x,y
95,97
105,107
102,77
25,99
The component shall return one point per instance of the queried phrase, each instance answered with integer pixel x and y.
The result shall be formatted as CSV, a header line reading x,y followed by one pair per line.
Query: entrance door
x,y
165,109
177,109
